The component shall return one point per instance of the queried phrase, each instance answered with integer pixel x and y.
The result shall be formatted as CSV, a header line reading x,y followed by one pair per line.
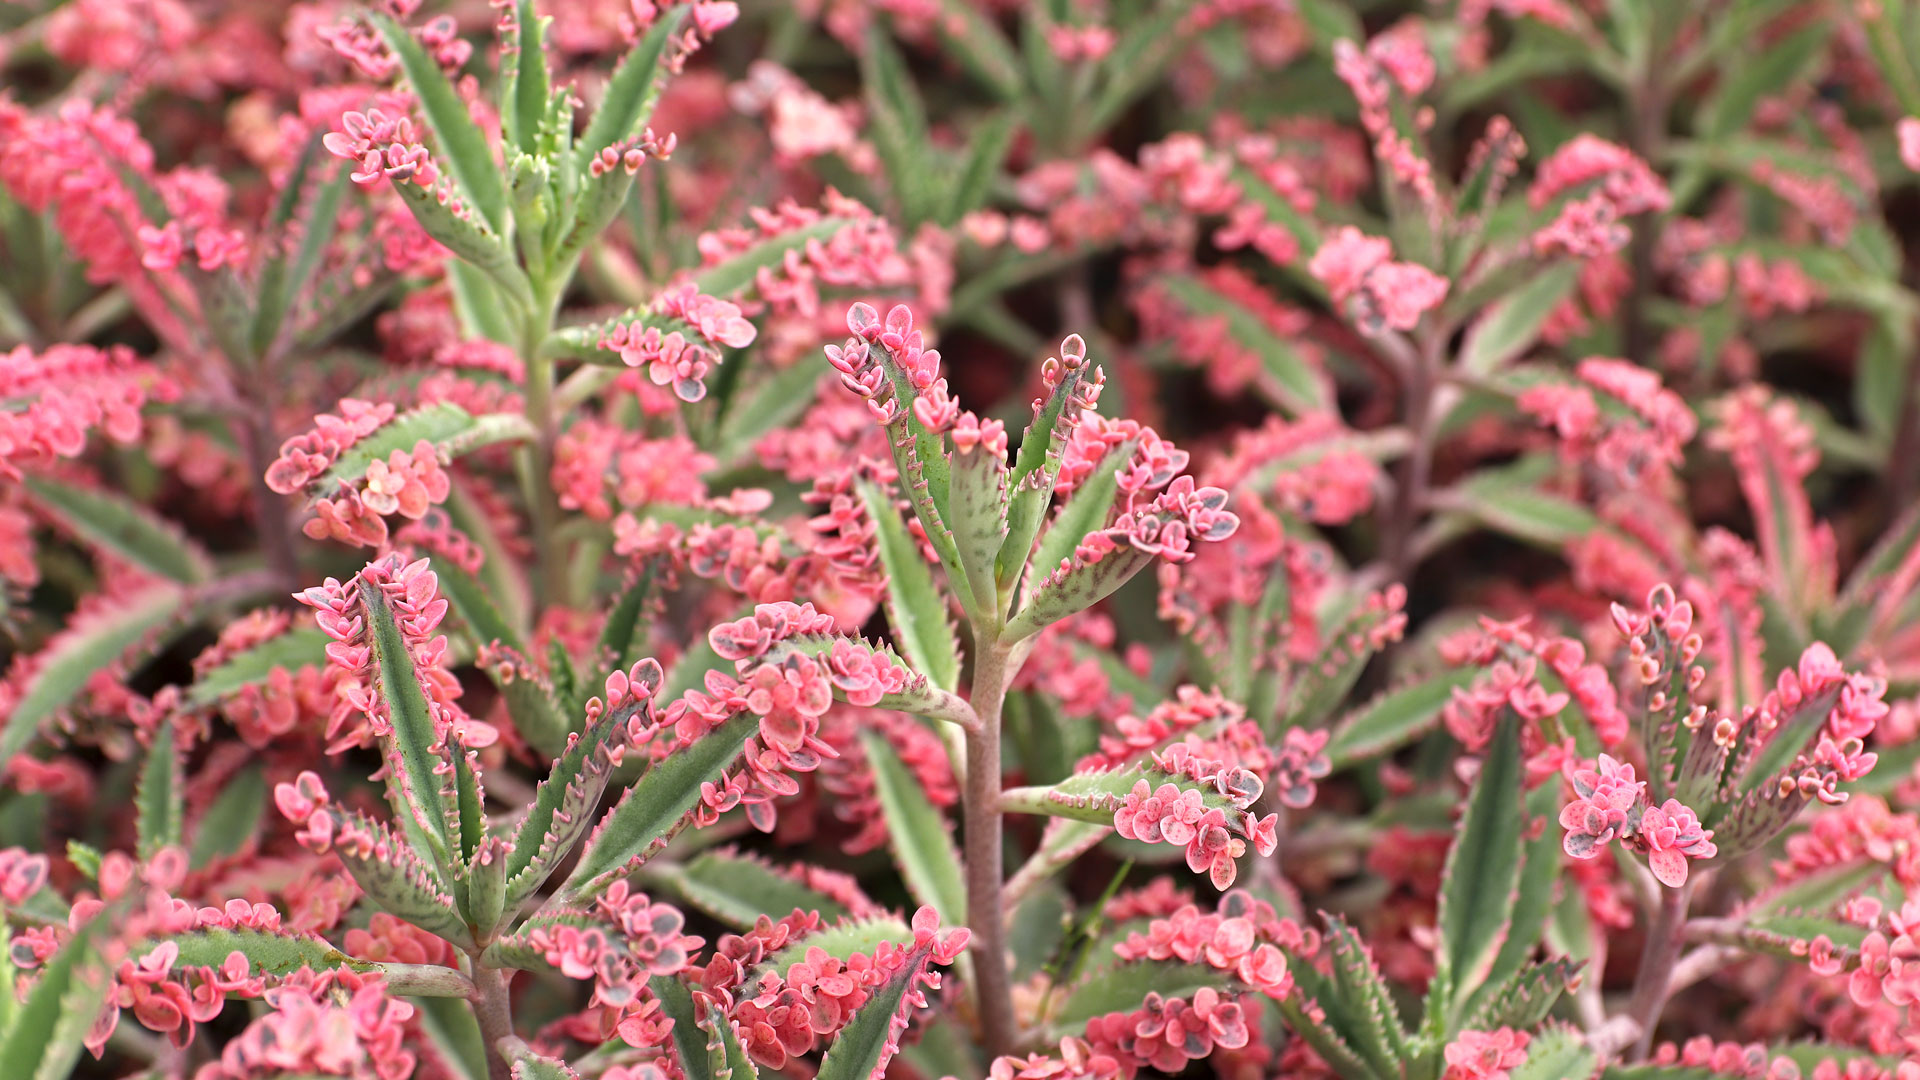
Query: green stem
x,y
536,474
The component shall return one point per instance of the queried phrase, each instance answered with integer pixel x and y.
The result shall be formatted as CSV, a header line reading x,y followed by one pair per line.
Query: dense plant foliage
x,y
645,540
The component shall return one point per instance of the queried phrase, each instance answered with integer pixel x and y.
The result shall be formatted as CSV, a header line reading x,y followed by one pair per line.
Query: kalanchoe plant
x,y
552,540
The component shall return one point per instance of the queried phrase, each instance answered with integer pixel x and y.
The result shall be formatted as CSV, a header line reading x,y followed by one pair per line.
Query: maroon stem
x,y
493,1008
1657,959
986,916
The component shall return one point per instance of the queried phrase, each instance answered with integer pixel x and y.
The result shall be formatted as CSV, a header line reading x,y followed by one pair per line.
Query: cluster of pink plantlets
x,y
607,540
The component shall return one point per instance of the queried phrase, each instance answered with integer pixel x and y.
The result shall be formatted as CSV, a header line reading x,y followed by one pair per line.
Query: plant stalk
x,y
1416,472
1657,958
537,465
493,1008
986,916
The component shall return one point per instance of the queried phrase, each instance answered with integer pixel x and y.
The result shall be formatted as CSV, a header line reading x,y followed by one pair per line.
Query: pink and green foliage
x,y
552,539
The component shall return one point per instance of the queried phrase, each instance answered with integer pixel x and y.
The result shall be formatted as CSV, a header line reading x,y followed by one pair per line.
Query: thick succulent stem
x,y
986,915
493,1008
536,466
1421,372
1657,958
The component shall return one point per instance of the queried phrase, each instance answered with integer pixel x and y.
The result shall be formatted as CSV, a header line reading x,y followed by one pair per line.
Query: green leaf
x,y
528,1065
1533,906
981,48
414,790
268,953
655,807
1092,796
841,942
918,833
62,670
1509,327
738,273
283,282
41,1040
1556,1054
1072,588
398,878
1742,85
449,1024
689,1037
463,148
1323,686
986,153
300,647
726,1058
632,92
232,820
977,498
1522,998
1035,466
122,528
526,80
897,123
1121,987
1301,386
1375,1033
159,798
469,237
1481,875
563,805
1549,521
451,429
530,699
916,609
737,889
861,1050
1394,718
1086,510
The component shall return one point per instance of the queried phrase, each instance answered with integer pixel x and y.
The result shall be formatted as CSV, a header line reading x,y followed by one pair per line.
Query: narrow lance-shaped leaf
x,y
530,699
462,144
63,668
862,1049
563,805
36,1043
472,240
1375,1032
655,807
1481,874
300,647
160,798
1533,907
1394,718
414,789
1085,511
737,889
688,1035
1121,987
633,90
525,81
916,609
922,845
1034,468
977,498
726,1058
124,529
451,429
232,820
986,153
